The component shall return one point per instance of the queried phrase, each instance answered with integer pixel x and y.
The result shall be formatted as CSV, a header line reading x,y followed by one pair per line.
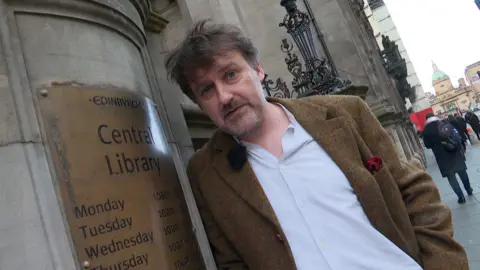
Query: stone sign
x,y
117,180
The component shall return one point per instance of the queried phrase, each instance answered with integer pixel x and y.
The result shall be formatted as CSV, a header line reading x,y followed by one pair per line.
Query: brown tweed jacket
x,y
401,200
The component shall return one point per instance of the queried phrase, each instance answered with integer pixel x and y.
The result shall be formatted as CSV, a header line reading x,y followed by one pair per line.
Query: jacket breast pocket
x,y
384,179
382,173
389,189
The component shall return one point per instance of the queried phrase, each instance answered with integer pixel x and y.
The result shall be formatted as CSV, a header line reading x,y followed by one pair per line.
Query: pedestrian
x,y
311,183
463,125
472,119
461,131
450,161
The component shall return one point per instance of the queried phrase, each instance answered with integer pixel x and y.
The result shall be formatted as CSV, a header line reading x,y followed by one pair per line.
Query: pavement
x,y
466,217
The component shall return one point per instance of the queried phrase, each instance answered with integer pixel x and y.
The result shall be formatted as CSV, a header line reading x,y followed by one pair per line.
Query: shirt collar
x,y
293,121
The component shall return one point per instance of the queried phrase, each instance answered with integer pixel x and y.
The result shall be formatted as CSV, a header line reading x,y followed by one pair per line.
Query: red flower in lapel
x,y
374,164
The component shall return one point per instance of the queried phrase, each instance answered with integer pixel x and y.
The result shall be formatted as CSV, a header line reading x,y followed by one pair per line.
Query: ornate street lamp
x,y
317,78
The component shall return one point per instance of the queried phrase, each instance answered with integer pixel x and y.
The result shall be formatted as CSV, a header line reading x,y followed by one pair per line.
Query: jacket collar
x,y
431,120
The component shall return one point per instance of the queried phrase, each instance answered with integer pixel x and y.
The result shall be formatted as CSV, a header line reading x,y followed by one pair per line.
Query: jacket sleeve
x,y
427,141
430,217
225,256
468,119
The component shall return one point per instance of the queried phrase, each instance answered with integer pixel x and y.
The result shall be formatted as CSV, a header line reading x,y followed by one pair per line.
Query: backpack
x,y
449,136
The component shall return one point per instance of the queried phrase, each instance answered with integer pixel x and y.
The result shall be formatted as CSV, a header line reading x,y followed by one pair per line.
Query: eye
x,y
230,75
206,89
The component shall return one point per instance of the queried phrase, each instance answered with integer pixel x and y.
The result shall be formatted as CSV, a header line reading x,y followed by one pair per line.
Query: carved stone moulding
x,y
354,90
391,118
386,112
119,15
155,22
130,17
151,19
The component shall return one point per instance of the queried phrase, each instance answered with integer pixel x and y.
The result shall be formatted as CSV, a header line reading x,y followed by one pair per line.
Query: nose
x,y
224,94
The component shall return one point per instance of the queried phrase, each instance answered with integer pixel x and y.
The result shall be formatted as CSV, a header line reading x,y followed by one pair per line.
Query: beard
x,y
241,118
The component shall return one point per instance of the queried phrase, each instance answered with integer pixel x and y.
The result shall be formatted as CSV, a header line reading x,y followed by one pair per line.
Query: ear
x,y
259,70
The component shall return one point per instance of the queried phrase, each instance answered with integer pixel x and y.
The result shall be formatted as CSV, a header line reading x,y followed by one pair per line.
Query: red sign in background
x,y
418,118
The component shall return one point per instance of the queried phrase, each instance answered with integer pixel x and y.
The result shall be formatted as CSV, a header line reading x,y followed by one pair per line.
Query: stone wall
x,y
45,42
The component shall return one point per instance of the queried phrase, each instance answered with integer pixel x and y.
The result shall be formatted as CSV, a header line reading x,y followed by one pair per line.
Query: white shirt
x,y
323,221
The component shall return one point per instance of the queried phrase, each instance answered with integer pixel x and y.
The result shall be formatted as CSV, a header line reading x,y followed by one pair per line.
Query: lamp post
x,y
317,77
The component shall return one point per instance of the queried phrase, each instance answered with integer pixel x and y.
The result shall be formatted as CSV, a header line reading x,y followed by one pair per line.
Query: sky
x,y
444,31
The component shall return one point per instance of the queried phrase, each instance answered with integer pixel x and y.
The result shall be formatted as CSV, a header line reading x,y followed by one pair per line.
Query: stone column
x,y
45,42
405,143
174,101
413,145
419,154
396,140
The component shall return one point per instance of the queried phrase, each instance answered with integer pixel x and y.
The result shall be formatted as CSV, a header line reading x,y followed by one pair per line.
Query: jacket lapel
x,y
346,148
329,128
244,181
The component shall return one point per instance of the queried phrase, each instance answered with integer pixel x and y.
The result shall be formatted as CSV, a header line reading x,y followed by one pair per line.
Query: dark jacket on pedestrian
x,y
455,123
448,162
463,124
472,119
458,126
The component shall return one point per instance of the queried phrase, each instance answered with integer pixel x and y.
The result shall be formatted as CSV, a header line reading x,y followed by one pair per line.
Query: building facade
x,y
472,73
382,24
60,46
447,98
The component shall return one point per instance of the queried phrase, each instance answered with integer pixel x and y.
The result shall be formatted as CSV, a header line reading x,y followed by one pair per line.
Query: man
x,y
472,119
283,183
463,127
450,162
453,120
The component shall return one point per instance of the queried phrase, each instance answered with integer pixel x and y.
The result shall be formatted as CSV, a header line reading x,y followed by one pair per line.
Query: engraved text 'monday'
x,y
86,210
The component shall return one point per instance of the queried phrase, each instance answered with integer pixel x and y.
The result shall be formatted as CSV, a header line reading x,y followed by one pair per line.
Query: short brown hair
x,y
202,43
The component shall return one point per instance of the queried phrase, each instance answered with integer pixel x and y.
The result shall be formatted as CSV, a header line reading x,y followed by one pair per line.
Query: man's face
x,y
230,93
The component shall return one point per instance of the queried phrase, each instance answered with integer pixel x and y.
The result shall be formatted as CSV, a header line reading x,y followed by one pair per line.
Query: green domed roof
x,y
438,74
